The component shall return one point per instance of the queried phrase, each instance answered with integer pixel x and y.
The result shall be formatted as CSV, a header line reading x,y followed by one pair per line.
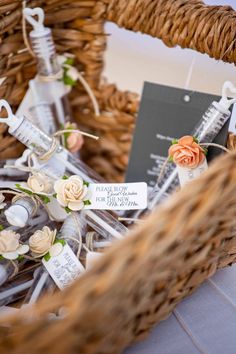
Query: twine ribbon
x,y
51,77
52,150
16,269
16,265
24,32
30,258
130,219
61,132
216,145
89,240
79,242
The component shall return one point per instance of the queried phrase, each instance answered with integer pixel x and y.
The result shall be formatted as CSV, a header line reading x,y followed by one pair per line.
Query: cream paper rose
x,y
41,241
39,183
10,248
71,192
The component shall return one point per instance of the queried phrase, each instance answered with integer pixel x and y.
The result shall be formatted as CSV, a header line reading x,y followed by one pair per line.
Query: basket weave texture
x,y
140,279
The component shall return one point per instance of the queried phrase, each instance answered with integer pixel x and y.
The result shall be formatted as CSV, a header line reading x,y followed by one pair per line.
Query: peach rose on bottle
x,y
187,153
74,140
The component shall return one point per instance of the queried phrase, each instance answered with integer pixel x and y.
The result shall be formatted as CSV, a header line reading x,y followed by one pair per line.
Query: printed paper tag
x,y
64,268
91,258
117,196
187,174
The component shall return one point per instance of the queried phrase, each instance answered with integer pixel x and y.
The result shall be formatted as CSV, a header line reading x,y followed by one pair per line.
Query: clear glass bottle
x,y
43,282
50,107
15,290
20,211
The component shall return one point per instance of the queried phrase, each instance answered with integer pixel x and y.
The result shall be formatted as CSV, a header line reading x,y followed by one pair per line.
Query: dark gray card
x,y
165,114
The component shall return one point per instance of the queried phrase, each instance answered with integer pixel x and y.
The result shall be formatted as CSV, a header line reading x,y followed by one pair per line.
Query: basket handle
x,y
187,23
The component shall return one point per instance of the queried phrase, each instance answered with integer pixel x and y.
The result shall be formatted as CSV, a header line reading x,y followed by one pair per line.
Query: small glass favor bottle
x,y
42,282
206,130
71,231
48,90
15,290
20,212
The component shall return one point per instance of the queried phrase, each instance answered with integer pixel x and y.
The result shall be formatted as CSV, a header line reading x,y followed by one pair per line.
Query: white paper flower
x,y
71,192
61,59
2,198
72,72
40,183
41,241
10,248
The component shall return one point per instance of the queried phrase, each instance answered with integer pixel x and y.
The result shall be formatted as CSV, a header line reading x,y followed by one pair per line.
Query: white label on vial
x,y
64,268
187,174
117,196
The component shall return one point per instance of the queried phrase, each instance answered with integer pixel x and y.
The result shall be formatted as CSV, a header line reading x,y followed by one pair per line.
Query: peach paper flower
x,y
187,153
75,140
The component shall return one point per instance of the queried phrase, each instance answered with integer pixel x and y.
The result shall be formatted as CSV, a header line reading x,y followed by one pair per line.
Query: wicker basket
x,y
140,279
